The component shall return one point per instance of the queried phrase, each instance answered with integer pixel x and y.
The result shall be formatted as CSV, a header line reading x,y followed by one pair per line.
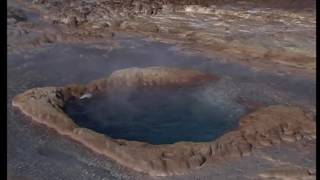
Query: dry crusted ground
x,y
254,33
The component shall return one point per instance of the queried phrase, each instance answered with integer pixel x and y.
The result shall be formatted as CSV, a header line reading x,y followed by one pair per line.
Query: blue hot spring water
x,y
153,116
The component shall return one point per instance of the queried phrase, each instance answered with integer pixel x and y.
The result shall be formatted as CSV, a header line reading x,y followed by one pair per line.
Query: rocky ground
x,y
253,33
261,36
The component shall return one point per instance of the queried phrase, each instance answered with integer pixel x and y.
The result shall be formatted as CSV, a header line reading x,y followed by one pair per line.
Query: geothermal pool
x,y
37,151
154,116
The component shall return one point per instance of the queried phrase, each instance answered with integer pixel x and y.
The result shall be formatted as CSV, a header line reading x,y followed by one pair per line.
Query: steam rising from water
x,y
158,116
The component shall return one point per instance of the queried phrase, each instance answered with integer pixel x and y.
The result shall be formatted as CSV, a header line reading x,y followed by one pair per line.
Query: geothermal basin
x,y
254,118
154,116
147,117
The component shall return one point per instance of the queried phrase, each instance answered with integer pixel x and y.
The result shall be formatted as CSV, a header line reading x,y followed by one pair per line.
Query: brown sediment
x,y
264,127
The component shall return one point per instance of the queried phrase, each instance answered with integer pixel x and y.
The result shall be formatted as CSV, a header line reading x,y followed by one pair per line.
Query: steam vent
x,y
170,89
